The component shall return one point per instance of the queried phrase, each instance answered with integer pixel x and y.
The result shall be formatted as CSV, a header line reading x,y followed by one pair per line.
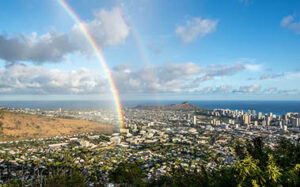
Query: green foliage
x,y
182,177
262,166
273,171
14,183
223,176
63,180
255,148
56,180
292,177
287,154
248,172
127,174
104,138
256,165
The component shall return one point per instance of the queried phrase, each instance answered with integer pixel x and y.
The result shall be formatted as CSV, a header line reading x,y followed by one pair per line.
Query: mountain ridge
x,y
184,106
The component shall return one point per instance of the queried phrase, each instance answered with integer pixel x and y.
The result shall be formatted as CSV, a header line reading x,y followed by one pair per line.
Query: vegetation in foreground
x,y
257,165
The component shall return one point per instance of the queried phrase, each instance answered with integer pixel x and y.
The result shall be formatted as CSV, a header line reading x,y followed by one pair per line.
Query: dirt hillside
x,y
16,126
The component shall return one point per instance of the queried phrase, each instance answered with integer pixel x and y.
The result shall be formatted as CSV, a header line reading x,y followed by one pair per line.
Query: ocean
x,y
276,107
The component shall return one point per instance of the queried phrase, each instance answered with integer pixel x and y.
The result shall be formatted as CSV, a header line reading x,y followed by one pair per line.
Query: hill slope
x,y
16,126
185,106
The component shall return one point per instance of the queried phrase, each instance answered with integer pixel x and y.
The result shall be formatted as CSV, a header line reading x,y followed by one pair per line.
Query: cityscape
x,y
156,138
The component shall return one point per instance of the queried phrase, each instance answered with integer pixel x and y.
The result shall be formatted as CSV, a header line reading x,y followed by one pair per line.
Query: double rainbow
x,y
99,56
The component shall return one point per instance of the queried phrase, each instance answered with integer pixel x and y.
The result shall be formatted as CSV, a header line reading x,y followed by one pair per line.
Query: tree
x,y
248,172
127,173
14,183
287,154
75,179
273,172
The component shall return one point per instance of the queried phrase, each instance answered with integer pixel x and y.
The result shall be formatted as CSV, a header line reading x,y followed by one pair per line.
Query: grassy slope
x,y
18,126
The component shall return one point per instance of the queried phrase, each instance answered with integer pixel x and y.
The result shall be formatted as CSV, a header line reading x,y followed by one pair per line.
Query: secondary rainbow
x,y
99,56
141,47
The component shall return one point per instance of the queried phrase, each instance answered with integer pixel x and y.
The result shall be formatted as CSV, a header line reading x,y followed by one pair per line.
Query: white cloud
x,y
49,47
172,77
271,90
264,76
276,91
221,70
289,23
214,89
293,75
107,28
179,70
289,91
249,89
195,27
286,21
22,79
167,78
268,76
253,67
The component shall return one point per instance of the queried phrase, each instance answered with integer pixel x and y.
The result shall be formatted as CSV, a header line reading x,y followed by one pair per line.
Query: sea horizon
x,y
265,106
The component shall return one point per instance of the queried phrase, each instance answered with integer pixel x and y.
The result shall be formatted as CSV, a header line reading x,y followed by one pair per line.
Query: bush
x,y
127,174
63,180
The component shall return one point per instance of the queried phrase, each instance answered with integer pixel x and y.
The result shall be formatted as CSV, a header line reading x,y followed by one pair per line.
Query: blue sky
x,y
202,49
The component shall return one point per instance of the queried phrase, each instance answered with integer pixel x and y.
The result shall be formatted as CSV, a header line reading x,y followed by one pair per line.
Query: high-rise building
x,y
253,113
246,119
295,122
259,115
280,124
268,121
188,116
195,120
249,112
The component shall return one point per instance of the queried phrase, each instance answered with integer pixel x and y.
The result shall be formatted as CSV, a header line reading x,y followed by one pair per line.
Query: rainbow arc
x,y
99,56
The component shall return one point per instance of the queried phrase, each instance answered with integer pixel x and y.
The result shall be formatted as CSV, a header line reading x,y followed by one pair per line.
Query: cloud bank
x,y
108,28
22,79
167,78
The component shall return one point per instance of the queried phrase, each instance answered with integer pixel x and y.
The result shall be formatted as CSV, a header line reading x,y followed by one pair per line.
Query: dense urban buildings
x,y
156,138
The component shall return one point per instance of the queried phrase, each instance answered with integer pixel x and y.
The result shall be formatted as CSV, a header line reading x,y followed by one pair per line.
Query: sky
x,y
155,49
